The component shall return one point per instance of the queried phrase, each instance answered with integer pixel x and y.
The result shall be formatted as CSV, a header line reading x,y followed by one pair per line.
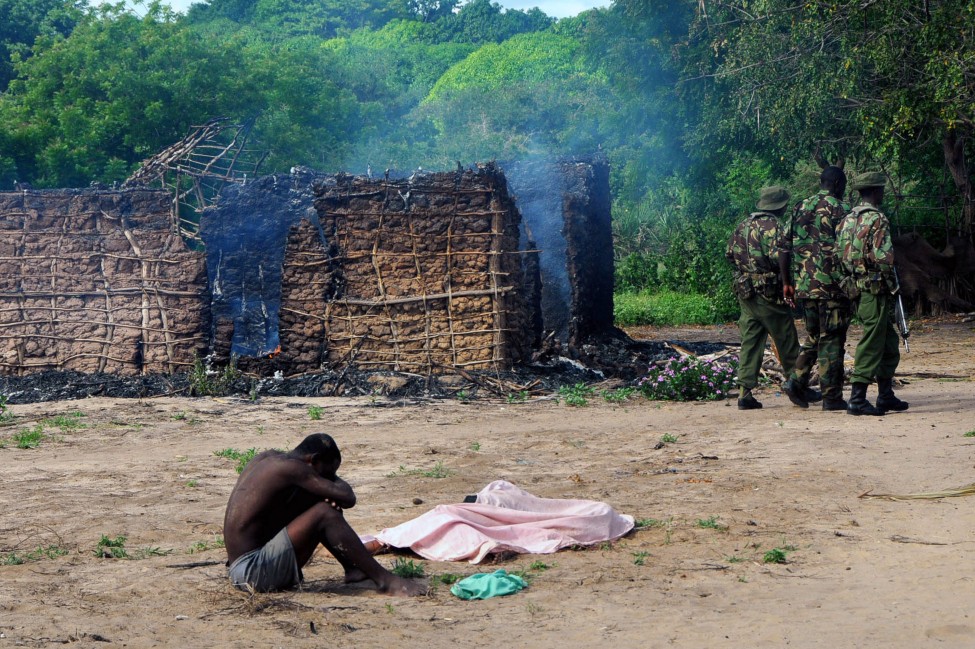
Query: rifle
x,y
899,314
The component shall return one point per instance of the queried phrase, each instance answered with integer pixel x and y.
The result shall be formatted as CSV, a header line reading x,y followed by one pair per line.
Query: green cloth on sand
x,y
488,584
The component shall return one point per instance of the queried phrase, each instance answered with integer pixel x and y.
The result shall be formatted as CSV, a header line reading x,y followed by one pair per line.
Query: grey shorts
x,y
272,567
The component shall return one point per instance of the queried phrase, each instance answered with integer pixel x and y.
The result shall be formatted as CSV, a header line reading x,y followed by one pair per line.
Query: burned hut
x,y
418,274
299,272
97,281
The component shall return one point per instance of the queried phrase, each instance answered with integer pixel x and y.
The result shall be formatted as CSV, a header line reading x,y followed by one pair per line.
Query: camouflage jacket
x,y
753,252
811,240
865,249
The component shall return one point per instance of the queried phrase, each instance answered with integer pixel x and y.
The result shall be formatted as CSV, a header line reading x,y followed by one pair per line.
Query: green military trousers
x,y
759,319
878,352
827,322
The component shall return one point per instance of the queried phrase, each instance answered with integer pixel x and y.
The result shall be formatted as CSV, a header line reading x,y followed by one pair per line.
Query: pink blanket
x,y
506,518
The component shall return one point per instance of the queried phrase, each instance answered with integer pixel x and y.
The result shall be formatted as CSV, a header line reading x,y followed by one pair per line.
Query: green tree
x,y
530,94
119,89
887,83
22,21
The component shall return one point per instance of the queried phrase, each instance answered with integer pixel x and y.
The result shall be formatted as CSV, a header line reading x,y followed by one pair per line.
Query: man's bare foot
x,y
399,587
355,575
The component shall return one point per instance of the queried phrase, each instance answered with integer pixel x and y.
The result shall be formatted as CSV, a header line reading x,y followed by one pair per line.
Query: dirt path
x,y
734,486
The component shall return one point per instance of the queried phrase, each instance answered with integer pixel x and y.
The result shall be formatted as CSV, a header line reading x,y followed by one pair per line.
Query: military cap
x,y
869,179
772,198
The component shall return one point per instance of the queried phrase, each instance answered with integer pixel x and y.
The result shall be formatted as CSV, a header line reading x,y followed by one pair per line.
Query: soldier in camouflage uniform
x,y
867,256
753,252
808,246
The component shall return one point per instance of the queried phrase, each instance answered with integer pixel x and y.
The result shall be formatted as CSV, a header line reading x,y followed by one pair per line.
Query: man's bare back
x,y
300,493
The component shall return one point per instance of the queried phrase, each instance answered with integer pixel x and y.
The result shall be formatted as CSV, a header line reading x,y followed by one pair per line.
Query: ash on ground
x,y
613,358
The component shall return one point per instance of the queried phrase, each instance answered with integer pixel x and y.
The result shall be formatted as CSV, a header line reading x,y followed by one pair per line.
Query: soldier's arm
x,y
883,247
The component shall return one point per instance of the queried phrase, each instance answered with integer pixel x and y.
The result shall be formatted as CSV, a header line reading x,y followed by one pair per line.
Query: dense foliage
x,y
697,104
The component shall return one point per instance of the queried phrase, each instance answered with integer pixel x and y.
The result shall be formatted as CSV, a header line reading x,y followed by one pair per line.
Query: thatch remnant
x,y
97,281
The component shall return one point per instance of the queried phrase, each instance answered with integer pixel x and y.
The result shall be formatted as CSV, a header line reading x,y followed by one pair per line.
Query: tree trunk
x,y
954,148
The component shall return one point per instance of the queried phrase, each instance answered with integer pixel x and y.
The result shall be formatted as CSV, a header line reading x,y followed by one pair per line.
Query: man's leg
x,y
777,318
872,314
809,350
325,524
753,337
886,398
836,322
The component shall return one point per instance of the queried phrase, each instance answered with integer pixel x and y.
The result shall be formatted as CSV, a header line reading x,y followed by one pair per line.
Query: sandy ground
x,y
859,573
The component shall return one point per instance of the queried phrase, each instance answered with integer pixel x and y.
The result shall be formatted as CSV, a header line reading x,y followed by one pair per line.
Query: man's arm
x,y
337,490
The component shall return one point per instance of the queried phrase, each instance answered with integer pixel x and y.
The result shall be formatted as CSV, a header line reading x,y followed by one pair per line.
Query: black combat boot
x,y
834,403
812,396
747,402
859,404
886,399
795,393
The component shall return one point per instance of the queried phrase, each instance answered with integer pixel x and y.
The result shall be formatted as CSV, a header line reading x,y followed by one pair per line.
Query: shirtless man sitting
x,y
283,506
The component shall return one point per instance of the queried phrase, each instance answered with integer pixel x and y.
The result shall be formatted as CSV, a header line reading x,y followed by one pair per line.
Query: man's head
x,y
833,180
321,451
773,199
871,187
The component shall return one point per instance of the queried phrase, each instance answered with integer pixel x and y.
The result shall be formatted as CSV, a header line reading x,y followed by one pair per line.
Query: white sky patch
x,y
554,8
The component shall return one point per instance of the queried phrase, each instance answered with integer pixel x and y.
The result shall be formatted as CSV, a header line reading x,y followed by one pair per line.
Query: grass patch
x,y
970,433
734,559
577,395
438,471
5,415
449,578
640,558
315,412
710,523
38,553
775,555
517,397
475,446
240,457
648,523
150,551
111,548
203,546
664,308
669,438
207,382
29,438
619,395
407,568
70,421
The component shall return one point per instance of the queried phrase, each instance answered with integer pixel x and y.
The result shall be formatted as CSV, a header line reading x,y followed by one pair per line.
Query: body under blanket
x,y
505,518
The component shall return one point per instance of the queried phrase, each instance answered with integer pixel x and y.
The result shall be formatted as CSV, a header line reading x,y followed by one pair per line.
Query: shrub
x,y
689,379
669,308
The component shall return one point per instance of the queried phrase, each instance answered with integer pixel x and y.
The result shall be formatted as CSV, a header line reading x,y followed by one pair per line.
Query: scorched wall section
x,y
97,281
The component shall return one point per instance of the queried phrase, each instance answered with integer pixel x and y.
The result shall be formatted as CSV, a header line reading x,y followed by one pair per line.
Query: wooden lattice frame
x,y
198,166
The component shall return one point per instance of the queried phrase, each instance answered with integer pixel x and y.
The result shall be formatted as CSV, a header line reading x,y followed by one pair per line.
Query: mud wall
x,y
97,281
427,273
